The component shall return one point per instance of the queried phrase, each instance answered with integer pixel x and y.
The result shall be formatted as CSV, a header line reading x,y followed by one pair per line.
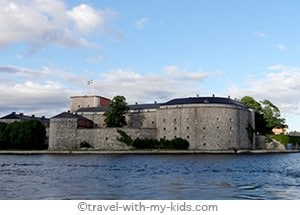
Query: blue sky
x,y
148,51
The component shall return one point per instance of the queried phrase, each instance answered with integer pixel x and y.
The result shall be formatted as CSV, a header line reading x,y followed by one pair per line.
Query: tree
x,y
115,116
23,135
252,103
272,115
267,115
3,135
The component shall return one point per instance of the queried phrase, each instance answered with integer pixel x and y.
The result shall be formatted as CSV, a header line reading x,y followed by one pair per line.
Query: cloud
x,y
281,47
280,85
87,18
259,34
136,87
43,90
142,22
38,23
47,90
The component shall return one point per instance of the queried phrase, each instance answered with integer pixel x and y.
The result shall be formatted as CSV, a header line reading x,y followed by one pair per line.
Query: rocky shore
x,y
143,152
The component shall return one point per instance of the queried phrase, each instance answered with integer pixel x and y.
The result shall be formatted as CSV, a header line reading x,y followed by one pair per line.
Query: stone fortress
x,y
208,123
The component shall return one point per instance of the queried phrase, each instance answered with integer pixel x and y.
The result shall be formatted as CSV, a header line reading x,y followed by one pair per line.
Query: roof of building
x,y
131,107
92,96
68,115
21,116
177,101
93,109
204,100
144,106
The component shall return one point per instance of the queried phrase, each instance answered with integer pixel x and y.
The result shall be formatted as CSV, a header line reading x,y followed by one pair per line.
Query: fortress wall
x,y
62,134
205,126
134,119
141,119
83,101
97,118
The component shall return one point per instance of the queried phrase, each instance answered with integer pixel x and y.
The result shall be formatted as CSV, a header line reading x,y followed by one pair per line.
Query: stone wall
x,y
206,127
64,135
78,102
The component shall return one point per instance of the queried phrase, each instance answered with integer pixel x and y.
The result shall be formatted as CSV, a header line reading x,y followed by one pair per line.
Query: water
x,y
269,176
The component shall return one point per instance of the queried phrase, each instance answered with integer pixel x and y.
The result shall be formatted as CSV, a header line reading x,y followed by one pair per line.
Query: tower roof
x,y
204,100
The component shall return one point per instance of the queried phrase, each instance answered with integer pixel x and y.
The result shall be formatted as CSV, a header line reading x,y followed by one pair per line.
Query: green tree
x,y
267,115
3,135
272,115
23,135
115,116
252,103
260,123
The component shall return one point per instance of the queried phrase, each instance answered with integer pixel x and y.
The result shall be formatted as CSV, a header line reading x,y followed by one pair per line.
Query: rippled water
x,y
269,176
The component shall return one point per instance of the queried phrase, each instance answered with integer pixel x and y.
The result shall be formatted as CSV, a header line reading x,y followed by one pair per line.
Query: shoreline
x,y
143,152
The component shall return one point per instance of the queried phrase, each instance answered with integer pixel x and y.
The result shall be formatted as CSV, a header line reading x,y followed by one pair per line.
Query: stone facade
x,y
206,127
64,135
208,123
78,102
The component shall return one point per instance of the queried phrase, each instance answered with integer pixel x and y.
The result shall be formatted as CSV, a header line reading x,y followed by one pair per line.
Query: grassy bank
x,y
285,139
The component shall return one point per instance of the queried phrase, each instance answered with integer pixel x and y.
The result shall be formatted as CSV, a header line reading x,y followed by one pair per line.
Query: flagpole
x,y
91,82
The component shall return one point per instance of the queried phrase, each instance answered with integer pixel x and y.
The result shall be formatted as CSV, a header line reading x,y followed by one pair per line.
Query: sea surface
x,y
131,177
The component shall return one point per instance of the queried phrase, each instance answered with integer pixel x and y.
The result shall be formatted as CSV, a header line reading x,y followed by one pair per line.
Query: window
x,y
175,128
218,119
204,144
230,119
164,120
218,127
188,137
187,128
106,138
164,129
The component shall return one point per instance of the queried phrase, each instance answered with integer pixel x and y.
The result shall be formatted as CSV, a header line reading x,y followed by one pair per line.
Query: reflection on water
x,y
271,176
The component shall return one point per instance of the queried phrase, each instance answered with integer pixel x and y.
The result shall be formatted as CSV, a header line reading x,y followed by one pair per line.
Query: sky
x,y
148,51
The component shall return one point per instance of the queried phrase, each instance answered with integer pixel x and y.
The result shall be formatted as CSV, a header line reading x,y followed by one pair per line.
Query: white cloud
x,y
259,34
137,87
44,90
281,47
47,90
37,23
87,18
142,22
280,85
